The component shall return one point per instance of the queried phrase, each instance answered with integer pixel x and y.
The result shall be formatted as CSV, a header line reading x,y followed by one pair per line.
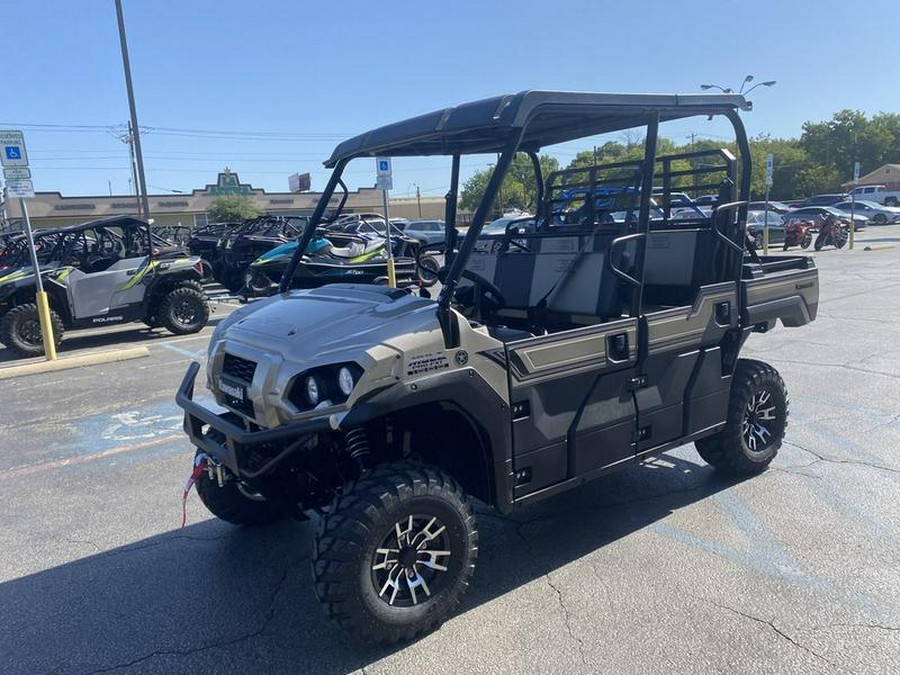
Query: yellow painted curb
x,y
74,362
878,247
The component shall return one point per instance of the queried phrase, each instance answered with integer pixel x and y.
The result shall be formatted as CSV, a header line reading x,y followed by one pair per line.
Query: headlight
x,y
324,386
314,391
345,380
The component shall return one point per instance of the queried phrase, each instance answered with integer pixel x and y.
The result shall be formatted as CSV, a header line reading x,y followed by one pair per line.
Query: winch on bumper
x,y
237,440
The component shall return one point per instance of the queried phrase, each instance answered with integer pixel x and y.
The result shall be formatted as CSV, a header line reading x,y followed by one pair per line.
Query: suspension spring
x,y
358,447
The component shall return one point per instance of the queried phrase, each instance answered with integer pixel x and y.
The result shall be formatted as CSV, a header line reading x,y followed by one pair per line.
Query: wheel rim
x,y
185,312
759,420
411,563
30,332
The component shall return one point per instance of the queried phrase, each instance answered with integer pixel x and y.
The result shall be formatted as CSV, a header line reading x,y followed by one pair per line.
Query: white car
x,y
876,213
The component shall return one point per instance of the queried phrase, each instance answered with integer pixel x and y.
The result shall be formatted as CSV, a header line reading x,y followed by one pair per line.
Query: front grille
x,y
241,406
235,366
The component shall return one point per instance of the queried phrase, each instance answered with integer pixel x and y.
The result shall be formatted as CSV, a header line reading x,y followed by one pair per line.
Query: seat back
x,y
565,271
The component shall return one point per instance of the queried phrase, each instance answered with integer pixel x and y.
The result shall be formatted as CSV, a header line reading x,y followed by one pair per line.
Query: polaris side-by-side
x,y
607,331
103,272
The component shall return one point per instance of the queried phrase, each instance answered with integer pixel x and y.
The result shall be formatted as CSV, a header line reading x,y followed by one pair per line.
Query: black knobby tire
x,y
807,240
183,310
839,239
237,505
758,409
358,533
20,330
820,240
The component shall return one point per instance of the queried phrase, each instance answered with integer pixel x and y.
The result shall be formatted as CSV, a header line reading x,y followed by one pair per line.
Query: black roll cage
x,y
526,122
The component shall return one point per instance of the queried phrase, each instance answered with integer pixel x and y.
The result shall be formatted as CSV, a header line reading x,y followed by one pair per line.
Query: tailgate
x,y
783,287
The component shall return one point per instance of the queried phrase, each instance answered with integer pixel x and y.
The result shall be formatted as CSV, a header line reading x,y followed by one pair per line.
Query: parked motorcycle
x,y
834,232
797,233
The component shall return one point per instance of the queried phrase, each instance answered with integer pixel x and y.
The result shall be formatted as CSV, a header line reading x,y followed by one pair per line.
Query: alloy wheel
x,y
409,565
758,418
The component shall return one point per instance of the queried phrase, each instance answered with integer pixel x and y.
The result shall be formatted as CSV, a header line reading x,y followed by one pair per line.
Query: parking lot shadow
x,y
215,598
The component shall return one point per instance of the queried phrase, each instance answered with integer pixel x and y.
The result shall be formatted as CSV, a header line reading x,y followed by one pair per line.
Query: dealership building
x,y
51,209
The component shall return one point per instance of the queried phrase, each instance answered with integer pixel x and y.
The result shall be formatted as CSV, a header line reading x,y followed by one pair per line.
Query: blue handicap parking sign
x,y
383,165
13,152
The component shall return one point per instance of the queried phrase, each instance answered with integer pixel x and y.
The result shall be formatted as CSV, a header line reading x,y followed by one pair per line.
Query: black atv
x,y
106,271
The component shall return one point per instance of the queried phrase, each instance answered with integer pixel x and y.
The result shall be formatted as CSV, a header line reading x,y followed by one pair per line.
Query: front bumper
x,y
231,451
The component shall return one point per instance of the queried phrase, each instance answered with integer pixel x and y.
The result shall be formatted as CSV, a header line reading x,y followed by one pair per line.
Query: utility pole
x,y
133,124
419,201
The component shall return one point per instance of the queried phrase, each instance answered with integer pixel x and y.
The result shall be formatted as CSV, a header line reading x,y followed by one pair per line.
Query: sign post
x,y
853,203
14,159
770,168
385,183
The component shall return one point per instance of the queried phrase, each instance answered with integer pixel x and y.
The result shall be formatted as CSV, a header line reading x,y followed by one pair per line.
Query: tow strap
x,y
199,468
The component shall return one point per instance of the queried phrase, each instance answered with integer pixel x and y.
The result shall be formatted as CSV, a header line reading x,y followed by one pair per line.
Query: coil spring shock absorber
x,y
358,448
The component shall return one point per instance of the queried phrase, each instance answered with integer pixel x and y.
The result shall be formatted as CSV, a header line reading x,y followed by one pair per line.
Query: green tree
x,y
518,190
227,208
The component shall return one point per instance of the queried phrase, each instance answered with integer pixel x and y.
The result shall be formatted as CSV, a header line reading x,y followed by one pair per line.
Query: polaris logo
x,y
107,319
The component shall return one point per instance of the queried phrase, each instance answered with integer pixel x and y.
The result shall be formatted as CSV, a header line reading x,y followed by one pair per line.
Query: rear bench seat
x,y
564,275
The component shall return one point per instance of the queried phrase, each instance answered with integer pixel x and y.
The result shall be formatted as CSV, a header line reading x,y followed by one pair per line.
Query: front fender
x,y
469,393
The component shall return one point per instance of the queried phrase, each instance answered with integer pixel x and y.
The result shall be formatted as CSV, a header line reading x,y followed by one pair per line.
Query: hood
x,y
303,325
13,274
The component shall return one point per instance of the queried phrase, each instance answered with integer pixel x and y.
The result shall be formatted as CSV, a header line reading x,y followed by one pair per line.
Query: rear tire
x,y
20,330
184,311
758,409
395,553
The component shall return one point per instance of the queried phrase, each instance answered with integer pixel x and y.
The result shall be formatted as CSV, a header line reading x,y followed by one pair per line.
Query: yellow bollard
x,y
46,326
392,274
765,241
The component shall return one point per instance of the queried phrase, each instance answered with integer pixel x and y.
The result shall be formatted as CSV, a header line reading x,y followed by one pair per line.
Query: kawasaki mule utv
x,y
609,331
103,272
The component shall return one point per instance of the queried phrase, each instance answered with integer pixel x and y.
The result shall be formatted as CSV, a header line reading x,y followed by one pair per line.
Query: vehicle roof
x,y
484,126
107,221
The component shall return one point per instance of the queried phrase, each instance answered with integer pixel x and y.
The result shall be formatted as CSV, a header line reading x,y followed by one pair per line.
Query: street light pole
x,y
747,80
136,136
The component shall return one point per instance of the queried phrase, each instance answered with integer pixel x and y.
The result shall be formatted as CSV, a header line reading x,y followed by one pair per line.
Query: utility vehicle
x,y
566,351
100,273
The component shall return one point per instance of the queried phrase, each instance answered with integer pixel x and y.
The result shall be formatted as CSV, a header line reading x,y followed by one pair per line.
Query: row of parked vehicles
x,y
249,257
117,270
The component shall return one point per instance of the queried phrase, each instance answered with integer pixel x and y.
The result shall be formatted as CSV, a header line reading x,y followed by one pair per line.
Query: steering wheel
x,y
486,297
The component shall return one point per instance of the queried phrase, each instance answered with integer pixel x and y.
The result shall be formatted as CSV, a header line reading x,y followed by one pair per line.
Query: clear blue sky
x,y
301,75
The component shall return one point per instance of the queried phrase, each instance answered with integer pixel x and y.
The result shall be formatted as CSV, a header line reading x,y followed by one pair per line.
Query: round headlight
x,y
312,390
345,381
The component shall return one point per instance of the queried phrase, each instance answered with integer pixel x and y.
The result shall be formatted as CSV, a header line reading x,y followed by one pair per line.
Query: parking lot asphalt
x,y
663,568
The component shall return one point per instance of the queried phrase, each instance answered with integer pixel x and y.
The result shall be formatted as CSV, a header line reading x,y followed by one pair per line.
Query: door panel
x,y
571,399
675,339
92,294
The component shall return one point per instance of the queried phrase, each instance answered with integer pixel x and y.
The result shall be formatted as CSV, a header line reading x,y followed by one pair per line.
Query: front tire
x,y
20,330
820,240
756,422
237,505
183,311
395,553
807,240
